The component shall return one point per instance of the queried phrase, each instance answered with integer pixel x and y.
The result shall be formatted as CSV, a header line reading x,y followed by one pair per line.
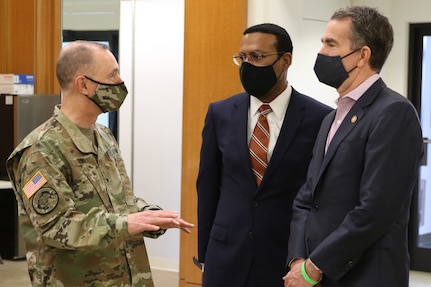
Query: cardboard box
x,y
6,79
17,84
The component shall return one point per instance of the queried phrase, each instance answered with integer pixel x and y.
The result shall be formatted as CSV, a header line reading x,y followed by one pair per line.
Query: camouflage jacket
x,y
73,200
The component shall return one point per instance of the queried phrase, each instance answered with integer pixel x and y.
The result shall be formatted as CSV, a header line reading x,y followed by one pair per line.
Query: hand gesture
x,y
152,220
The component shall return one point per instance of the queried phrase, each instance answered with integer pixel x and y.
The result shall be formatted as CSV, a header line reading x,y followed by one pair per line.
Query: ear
x,y
287,61
80,84
365,56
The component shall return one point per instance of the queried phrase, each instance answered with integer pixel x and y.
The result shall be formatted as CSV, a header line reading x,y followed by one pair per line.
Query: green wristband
x,y
305,275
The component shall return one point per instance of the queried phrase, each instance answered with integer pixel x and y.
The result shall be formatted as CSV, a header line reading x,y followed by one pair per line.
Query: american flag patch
x,y
34,184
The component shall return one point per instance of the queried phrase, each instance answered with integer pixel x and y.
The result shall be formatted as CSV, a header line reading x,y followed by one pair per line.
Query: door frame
x,y
420,257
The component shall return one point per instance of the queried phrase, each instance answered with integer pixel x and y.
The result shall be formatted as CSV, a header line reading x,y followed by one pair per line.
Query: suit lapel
x,y
352,119
239,131
291,123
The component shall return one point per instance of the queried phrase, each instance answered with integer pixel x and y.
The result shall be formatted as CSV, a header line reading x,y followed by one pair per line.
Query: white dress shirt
x,y
275,118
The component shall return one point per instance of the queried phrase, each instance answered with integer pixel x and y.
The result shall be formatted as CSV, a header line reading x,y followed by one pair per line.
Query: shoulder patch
x,y
34,184
45,200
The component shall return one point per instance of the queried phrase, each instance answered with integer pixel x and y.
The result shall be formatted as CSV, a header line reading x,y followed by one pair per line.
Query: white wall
x,y
305,21
425,172
403,12
151,57
151,64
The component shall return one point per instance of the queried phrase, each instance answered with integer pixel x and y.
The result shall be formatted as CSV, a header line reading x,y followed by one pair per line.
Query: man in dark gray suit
x,y
350,220
243,215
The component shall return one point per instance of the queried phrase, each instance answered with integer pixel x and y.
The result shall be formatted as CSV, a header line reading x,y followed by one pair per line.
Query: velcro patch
x,y
45,200
34,184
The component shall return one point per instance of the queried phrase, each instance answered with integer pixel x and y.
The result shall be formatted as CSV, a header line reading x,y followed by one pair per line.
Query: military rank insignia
x,y
34,184
45,200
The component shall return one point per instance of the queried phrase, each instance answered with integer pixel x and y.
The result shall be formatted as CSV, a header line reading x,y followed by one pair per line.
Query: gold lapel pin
x,y
354,119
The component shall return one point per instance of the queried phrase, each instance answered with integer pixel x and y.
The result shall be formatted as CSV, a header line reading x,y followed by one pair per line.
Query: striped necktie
x,y
259,144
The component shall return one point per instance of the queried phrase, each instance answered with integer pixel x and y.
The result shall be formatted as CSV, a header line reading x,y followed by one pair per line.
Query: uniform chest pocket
x,y
87,183
106,179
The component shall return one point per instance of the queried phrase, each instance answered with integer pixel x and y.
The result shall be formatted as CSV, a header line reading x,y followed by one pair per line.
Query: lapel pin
x,y
354,119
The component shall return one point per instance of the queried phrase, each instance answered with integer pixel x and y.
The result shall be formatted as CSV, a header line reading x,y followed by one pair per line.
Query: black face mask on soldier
x,y
257,81
330,70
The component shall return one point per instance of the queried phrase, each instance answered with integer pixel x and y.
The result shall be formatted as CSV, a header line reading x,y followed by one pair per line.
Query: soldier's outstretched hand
x,y
152,220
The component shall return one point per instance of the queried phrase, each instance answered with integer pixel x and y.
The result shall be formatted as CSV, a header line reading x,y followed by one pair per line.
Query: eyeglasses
x,y
254,57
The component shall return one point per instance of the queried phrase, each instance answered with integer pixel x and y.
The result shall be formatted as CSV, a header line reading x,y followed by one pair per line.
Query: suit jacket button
x,y
250,235
255,203
315,208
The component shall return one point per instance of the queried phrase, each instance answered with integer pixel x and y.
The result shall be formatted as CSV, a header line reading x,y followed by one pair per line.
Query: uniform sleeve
x,y
50,203
142,206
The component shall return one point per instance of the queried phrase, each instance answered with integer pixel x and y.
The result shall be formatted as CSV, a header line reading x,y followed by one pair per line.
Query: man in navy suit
x,y
350,220
244,223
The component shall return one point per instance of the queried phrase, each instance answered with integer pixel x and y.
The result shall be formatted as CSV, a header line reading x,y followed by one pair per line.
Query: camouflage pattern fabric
x,y
109,97
73,200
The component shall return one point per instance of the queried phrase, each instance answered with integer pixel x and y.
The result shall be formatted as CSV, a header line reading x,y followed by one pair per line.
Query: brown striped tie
x,y
259,144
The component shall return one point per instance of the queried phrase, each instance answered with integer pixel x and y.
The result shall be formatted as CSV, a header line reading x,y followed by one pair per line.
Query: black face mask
x,y
257,81
330,70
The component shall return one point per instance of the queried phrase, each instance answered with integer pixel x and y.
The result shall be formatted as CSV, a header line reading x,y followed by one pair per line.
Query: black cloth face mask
x,y
257,81
330,70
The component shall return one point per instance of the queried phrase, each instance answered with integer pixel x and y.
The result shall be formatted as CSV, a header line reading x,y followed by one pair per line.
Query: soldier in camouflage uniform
x,y
81,223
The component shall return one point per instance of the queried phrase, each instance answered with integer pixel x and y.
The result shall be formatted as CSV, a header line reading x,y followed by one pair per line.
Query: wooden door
x,y
213,31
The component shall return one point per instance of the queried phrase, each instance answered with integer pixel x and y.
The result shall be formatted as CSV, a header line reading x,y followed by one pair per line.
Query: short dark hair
x,y
369,28
284,43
